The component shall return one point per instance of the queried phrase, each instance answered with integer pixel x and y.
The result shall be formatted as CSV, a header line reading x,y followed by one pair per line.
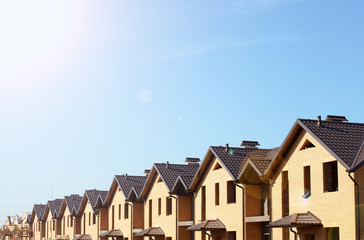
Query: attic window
x,y
217,166
159,179
307,144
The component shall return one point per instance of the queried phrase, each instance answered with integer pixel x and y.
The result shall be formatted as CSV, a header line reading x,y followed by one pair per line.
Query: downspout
x,y
98,225
171,196
357,204
131,219
193,214
295,233
243,206
208,235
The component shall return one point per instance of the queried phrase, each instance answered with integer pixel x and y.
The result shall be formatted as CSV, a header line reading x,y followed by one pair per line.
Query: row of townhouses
x,y
311,187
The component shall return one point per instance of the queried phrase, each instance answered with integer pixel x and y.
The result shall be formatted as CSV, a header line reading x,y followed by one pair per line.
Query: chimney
x,y
192,161
249,144
332,118
126,175
146,172
167,164
227,147
319,121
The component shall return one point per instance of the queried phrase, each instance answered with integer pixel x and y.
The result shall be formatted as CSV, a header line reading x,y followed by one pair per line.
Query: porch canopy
x,y
150,232
297,220
112,233
83,237
63,237
208,225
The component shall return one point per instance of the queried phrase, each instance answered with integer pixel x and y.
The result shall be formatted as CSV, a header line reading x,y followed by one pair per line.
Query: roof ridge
x,y
355,123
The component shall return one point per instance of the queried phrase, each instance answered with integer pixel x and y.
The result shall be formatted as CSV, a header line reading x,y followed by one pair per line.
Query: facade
x,y
68,224
90,215
166,213
36,221
50,219
310,188
312,178
219,197
124,217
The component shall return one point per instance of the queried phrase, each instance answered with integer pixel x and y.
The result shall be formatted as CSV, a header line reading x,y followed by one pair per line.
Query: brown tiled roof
x,y
83,237
55,206
94,194
235,158
112,233
208,225
152,231
342,139
297,220
73,202
126,183
63,237
39,210
170,172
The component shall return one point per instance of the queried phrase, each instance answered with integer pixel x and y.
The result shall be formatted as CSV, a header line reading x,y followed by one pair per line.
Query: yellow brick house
x,y
50,218
315,178
68,224
90,215
167,214
219,197
124,216
36,221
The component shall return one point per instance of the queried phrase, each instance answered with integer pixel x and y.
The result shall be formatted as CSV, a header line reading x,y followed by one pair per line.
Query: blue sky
x,y
90,89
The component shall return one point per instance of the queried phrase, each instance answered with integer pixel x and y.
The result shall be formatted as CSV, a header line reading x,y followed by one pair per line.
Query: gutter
x,y
243,206
357,204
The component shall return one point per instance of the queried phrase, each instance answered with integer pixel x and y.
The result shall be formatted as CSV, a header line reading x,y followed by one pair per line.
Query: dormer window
x,y
307,144
217,166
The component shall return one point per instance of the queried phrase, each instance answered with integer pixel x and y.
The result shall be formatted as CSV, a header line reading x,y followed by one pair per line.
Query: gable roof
x,y
38,210
71,202
168,173
126,183
91,196
232,160
343,140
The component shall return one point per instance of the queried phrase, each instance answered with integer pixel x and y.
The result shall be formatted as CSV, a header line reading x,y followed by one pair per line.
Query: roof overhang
x,y
208,225
297,220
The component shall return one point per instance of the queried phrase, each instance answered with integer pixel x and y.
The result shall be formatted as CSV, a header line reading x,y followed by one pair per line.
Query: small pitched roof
x,y
232,159
112,233
152,231
168,173
83,237
343,140
297,220
208,225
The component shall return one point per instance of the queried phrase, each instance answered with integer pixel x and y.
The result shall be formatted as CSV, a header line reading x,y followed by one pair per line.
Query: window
x,y
203,203
309,237
231,235
68,221
332,233
231,194
93,218
126,211
64,225
168,206
54,227
159,206
71,221
84,223
119,211
217,194
307,181
150,212
112,217
217,166
168,238
307,144
330,177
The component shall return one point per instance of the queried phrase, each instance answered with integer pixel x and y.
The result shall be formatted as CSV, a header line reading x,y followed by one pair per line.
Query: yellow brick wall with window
x,y
335,209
